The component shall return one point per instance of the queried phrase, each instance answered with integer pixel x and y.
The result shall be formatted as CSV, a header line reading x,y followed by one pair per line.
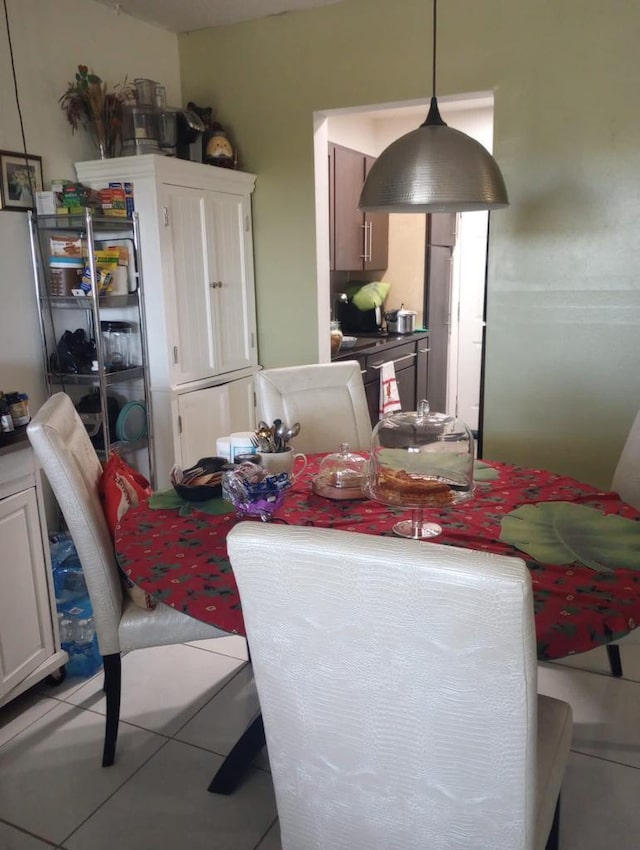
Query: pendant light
x,y
434,169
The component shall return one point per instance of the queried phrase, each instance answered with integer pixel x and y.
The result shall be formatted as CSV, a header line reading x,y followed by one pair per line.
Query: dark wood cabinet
x,y
423,350
332,224
357,241
404,357
441,239
409,355
376,232
442,229
438,281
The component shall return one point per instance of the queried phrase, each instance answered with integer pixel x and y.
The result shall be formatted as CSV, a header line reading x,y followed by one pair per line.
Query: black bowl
x,y
204,492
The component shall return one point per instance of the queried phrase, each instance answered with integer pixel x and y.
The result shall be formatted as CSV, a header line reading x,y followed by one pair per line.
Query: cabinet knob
x,y
216,284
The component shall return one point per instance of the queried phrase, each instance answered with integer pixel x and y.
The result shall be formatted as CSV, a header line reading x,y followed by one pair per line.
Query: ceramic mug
x,y
277,462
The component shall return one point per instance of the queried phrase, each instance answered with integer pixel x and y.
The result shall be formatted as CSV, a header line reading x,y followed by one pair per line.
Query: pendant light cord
x,y
434,118
433,58
32,187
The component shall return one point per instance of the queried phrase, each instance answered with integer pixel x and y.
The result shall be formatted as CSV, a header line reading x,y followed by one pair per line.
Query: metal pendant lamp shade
x,y
434,169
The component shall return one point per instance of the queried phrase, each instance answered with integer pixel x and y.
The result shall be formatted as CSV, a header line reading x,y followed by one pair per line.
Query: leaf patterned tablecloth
x,y
182,560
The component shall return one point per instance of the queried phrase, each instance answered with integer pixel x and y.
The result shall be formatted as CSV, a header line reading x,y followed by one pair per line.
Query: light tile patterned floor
x,y
184,707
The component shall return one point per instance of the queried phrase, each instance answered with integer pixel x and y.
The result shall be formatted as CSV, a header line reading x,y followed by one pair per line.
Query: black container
x,y
204,492
90,409
355,321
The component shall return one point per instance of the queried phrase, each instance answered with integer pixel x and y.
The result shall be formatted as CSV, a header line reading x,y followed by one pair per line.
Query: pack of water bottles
x,y
75,614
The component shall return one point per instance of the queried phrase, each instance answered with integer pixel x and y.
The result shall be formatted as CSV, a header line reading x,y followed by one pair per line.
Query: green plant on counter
x,y
88,104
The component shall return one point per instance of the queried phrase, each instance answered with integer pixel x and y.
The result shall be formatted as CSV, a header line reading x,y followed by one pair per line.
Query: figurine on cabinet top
x,y
219,150
216,146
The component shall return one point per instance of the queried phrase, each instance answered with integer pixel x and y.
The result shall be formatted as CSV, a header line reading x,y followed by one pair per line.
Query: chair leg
x,y
112,686
554,834
615,663
236,764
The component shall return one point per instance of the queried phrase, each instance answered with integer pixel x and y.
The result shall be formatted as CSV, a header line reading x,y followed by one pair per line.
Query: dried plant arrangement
x,y
87,103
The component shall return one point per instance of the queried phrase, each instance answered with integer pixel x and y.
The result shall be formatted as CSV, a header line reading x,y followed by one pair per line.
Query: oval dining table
x,y
581,546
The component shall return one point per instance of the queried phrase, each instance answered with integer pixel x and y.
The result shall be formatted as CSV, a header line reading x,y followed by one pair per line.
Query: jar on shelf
x,y
336,337
18,408
6,422
116,339
65,275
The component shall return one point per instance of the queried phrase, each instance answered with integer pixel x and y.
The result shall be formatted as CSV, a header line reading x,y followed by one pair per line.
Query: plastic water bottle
x,y
66,627
85,660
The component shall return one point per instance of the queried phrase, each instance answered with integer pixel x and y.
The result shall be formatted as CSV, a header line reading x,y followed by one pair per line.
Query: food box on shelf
x,y
113,202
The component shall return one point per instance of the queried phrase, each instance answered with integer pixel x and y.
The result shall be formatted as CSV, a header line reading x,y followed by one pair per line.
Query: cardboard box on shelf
x,y
112,202
67,246
46,203
127,187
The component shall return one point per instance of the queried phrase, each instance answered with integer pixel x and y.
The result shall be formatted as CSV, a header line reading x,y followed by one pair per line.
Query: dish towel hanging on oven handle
x,y
389,395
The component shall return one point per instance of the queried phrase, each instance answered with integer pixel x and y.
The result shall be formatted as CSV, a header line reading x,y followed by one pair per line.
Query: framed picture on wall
x,y
20,179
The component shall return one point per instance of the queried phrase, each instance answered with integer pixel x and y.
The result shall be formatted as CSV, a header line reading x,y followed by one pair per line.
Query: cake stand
x,y
420,460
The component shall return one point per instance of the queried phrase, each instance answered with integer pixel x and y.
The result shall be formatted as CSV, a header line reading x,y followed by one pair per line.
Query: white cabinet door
x,y
207,414
204,416
26,634
228,240
215,321
193,346
242,409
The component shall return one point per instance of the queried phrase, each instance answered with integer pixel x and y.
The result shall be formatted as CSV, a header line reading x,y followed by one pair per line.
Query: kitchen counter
x,y
13,440
370,344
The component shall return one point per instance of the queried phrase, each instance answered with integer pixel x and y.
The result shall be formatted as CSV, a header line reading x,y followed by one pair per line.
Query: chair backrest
x,y
327,399
626,478
66,454
397,681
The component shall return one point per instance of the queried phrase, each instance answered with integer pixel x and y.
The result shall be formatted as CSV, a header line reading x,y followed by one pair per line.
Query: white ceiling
x,y
190,15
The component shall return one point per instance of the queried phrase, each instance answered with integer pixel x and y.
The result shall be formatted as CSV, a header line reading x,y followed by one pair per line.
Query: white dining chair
x,y
327,399
71,465
626,483
398,687
626,478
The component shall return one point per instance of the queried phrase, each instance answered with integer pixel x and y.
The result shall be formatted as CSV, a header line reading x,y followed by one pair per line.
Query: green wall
x,y
562,372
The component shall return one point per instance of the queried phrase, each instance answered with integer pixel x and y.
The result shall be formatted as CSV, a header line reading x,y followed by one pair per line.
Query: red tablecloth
x,y
182,561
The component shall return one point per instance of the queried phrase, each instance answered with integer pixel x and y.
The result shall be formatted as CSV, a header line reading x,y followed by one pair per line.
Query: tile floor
x,y
184,707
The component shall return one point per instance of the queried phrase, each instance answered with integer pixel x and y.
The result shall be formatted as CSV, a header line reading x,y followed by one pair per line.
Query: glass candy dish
x,y
419,460
253,492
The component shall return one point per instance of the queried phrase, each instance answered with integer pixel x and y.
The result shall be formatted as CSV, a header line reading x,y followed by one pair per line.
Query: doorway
x,y
460,349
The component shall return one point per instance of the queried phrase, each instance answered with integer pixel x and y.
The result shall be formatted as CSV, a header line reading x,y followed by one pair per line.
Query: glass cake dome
x,y
344,468
420,459
341,475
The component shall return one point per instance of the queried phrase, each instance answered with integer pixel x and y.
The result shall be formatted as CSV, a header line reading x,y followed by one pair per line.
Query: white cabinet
x,y
218,411
29,645
215,331
199,301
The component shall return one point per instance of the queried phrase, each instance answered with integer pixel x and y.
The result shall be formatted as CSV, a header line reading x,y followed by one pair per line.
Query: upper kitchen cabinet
x,y
358,241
